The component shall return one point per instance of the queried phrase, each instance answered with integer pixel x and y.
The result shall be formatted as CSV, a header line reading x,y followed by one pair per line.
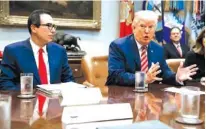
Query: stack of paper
x,y
53,89
96,113
73,93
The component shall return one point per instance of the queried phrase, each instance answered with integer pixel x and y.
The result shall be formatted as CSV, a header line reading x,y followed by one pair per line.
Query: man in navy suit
x,y
24,56
175,49
125,55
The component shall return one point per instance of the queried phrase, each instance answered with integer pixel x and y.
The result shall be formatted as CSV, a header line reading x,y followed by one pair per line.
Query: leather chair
x,y
95,70
174,63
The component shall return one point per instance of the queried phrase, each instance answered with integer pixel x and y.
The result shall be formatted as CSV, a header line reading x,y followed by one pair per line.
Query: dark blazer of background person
x,y
197,56
171,51
18,58
124,61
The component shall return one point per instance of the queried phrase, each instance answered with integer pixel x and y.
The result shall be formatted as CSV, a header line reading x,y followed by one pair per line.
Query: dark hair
x,y
175,27
198,47
34,18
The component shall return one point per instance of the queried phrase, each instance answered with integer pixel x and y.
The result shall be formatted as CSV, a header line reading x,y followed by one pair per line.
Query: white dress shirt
x,y
139,46
35,49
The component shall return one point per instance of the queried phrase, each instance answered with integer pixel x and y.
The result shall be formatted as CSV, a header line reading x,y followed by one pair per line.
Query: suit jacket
x,y
171,51
18,58
124,61
194,58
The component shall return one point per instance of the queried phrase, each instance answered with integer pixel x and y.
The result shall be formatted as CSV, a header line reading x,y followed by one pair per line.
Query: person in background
x,y
175,49
137,52
38,55
197,56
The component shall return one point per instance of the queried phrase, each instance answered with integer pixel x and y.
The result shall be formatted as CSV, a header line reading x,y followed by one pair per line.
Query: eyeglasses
x,y
50,26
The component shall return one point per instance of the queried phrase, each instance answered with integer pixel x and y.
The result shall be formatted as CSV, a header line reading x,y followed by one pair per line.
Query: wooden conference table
x,y
155,104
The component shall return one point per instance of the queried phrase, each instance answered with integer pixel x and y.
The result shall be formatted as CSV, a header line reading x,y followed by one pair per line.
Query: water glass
x,y
190,104
26,83
5,111
140,78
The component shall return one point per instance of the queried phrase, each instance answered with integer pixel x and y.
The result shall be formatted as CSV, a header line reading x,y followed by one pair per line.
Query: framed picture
x,y
66,14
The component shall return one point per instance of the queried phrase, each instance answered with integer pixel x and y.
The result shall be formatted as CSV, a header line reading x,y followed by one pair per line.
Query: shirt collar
x,y
36,47
139,45
176,44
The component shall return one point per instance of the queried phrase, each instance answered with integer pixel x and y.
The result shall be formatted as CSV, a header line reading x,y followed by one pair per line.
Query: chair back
x,y
95,69
174,63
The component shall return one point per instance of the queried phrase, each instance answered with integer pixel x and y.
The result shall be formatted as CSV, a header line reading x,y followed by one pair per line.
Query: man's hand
x,y
185,73
152,73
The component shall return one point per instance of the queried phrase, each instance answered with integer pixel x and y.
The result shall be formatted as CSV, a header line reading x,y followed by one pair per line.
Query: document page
x,y
183,91
81,96
96,113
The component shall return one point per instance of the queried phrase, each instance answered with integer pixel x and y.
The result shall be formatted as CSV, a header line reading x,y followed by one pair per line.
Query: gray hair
x,y
146,15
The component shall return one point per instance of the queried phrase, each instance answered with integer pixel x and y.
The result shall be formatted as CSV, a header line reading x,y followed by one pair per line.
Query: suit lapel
x,y
135,53
150,55
51,62
29,57
183,47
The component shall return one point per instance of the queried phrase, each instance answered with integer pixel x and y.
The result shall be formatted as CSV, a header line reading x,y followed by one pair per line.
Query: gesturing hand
x,y
152,73
186,73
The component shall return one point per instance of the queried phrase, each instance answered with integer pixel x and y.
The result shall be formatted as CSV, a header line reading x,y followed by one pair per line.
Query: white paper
x,y
96,113
58,88
183,91
95,125
81,96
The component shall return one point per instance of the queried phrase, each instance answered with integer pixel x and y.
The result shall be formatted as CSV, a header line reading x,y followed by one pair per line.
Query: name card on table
x,y
96,113
81,96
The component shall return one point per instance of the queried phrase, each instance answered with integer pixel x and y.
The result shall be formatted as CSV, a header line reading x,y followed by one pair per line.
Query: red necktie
x,y
144,61
179,50
43,78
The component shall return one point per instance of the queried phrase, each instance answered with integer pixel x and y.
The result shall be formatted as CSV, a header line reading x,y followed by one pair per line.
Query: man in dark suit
x,y
137,52
38,55
175,49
